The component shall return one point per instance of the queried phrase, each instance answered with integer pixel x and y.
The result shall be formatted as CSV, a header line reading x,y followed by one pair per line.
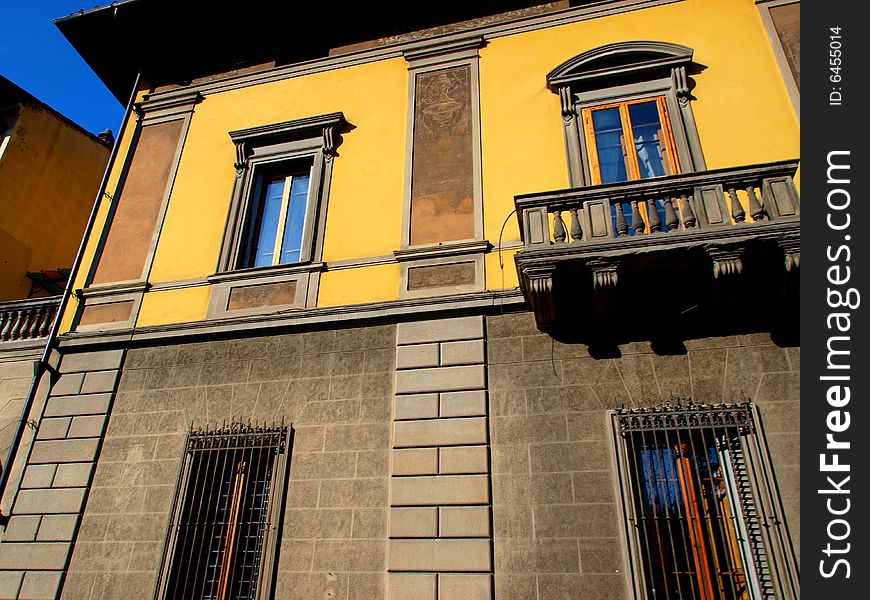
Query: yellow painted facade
x,y
49,174
740,105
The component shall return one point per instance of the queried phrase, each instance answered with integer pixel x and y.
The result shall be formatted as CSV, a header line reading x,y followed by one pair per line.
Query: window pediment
x,y
627,60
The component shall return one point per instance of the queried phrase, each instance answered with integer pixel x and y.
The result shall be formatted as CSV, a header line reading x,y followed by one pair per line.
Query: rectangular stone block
x,y
439,330
91,404
99,381
440,379
23,529
464,521
53,429
57,528
92,361
440,432
462,353
416,406
10,582
439,555
33,555
463,460
72,475
416,356
413,522
464,587
412,587
87,426
40,585
68,384
440,490
422,461
38,476
35,502
463,404
58,451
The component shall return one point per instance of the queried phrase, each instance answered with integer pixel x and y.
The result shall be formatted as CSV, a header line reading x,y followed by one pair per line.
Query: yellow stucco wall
x,y
49,175
741,107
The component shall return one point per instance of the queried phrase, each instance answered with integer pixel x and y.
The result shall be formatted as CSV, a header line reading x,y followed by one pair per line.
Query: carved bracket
x,y
604,282
726,261
567,104
603,273
539,290
242,153
328,142
681,84
791,248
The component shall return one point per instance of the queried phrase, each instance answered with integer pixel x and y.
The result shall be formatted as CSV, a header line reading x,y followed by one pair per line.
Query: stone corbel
x,y
328,143
604,282
791,248
726,261
567,104
242,153
681,84
603,274
539,289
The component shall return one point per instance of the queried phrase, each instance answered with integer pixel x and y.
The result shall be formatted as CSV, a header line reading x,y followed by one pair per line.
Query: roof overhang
x,y
175,41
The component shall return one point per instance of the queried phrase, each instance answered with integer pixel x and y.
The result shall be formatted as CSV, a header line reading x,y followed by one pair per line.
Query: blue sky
x,y
35,55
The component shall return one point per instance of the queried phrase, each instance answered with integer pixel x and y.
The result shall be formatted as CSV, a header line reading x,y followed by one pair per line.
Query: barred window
x,y
702,511
221,539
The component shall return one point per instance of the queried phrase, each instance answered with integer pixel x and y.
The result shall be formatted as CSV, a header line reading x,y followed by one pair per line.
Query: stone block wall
x,y
555,505
46,512
440,536
335,387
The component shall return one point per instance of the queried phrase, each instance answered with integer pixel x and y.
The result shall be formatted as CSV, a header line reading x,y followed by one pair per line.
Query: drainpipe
x,y
43,365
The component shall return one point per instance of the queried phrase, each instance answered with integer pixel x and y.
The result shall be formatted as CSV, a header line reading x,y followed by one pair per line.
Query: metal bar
x,y
682,519
637,457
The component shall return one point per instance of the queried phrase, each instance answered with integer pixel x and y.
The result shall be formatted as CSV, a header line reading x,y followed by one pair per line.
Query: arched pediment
x,y
637,58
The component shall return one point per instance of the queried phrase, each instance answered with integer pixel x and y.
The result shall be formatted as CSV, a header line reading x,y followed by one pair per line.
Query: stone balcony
x,y
30,319
679,242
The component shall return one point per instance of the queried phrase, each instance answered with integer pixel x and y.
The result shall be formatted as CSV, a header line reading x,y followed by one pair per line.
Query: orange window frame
x,y
632,167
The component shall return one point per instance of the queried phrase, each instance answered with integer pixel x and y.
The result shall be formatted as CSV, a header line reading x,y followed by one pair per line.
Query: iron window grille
x,y
702,512
221,539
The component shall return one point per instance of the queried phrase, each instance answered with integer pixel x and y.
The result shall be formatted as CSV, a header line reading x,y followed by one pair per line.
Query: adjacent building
x,y
498,301
50,169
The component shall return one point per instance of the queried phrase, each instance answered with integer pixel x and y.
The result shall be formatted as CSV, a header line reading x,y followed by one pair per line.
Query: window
x,y
627,116
222,536
626,112
701,508
276,222
271,257
629,141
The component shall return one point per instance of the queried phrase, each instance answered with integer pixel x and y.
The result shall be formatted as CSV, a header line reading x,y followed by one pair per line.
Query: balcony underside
x,y
697,256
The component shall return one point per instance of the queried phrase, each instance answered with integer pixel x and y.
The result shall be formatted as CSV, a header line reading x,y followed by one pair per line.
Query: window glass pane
x,y
268,226
291,247
646,129
607,126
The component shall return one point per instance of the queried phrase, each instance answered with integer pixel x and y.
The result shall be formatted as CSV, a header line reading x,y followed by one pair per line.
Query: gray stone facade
x,y
334,387
467,457
555,504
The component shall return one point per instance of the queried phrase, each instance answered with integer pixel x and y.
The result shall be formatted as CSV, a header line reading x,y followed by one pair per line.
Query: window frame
x,y
311,141
764,8
220,440
772,538
626,72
